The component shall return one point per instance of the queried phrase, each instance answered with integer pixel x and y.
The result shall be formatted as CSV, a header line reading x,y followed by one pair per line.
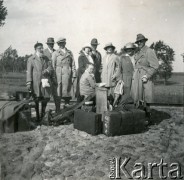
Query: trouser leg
x,y
57,103
37,110
126,96
44,105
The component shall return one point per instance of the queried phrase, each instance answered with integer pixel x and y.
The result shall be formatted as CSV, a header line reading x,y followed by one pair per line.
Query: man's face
x,y
39,49
62,45
141,44
91,69
94,46
110,49
50,45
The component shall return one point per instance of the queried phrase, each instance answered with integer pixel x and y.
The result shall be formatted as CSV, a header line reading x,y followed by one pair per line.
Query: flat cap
x,y
61,39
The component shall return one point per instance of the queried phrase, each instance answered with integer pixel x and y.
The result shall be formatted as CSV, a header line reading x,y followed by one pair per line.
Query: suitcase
x,y
123,122
24,118
89,122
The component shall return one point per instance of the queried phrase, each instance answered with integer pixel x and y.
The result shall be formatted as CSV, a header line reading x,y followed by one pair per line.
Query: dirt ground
x,y
64,153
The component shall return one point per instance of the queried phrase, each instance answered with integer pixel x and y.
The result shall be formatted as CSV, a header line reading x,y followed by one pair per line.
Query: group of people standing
x,y
52,72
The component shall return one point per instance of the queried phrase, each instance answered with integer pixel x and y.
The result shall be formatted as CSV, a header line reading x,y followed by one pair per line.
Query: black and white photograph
x,y
91,90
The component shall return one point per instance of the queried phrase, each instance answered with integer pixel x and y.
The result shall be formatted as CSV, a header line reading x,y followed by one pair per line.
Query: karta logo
x,y
118,170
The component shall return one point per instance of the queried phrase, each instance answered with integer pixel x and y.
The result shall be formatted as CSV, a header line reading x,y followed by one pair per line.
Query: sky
x,y
116,21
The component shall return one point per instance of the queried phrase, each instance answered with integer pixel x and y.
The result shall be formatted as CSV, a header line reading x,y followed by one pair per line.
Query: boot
x,y
44,105
37,111
57,104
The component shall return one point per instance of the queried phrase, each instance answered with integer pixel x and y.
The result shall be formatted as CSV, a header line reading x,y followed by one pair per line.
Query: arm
x,y
54,59
81,63
29,77
91,81
73,67
153,63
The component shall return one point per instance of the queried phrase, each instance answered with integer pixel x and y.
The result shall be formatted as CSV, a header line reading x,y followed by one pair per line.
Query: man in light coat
x,y
39,72
64,66
110,69
146,64
48,52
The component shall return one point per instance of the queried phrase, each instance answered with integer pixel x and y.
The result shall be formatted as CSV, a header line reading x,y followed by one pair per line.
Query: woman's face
x,y
87,50
110,49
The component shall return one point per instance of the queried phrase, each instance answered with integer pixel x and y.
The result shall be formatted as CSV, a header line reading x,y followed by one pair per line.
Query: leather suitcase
x,y
24,118
89,122
123,122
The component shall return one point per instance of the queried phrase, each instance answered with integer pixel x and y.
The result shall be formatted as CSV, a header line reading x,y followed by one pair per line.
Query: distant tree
x,y
3,13
11,62
165,55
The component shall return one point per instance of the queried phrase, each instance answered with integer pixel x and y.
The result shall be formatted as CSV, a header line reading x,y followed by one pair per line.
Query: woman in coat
x,y
84,59
39,74
146,64
110,69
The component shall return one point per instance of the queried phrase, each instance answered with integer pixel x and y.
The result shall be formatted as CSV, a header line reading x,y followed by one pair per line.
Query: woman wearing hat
x,y
84,59
127,70
110,68
146,64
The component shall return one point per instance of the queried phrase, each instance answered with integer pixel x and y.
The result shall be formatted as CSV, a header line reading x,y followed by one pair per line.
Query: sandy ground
x,y
63,153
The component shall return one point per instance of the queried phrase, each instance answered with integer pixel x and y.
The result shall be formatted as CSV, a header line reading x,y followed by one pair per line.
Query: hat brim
x,y
60,42
87,47
95,43
50,42
145,39
108,47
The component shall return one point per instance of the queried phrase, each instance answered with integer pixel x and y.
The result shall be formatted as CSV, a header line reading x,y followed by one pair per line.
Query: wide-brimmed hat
x,y
140,37
129,46
109,45
94,41
61,39
50,40
87,46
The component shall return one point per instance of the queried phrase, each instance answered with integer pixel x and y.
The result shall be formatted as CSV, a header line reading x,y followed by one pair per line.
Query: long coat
x,y
146,63
127,70
64,66
82,62
53,75
110,67
98,64
35,69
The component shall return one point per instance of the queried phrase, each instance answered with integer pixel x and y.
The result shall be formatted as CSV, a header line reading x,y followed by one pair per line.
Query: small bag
x,y
45,83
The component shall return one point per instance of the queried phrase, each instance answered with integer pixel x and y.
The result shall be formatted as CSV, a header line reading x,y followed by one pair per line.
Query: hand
x,y
29,87
73,79
113,77
144,79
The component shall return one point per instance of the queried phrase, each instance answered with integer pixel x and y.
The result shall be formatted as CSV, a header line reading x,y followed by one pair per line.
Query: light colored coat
x,y
87,84
146,63
110,67
64,66
35,68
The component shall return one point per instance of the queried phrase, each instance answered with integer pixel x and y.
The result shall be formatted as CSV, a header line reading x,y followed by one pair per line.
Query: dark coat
x,y
126,70
98,64
64,66
146,63
35,69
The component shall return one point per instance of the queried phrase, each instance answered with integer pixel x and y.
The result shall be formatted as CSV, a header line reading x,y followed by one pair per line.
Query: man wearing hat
x,y
127,69
84,59
48,52
39,72
110,68
146,64
64,66
97,59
